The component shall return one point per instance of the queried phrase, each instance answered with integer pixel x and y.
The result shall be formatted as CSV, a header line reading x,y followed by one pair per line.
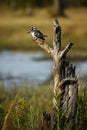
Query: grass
x,y
14,27
22,107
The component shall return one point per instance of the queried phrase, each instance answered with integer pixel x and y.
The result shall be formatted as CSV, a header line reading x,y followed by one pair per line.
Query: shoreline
x,y
71,57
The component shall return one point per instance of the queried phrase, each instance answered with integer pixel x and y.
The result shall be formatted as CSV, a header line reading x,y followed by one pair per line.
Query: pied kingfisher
x,y
36,33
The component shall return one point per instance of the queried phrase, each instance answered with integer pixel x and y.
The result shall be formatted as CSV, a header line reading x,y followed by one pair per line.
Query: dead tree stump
x,y
63,115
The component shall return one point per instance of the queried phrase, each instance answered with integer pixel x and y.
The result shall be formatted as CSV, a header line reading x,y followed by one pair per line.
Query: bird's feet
x,y
39,40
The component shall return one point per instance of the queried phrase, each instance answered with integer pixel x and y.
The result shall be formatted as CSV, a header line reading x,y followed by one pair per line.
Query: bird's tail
x,y
45,35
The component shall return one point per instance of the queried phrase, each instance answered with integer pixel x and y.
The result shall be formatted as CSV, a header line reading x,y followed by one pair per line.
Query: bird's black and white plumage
x,y
36,33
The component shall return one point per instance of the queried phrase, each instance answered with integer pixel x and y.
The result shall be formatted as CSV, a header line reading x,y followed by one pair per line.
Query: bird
x,y
36,33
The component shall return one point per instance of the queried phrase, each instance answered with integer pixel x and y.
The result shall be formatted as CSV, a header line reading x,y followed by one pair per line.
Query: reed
x,y
24,109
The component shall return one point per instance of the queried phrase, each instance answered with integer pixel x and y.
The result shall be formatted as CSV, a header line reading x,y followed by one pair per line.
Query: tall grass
x,y
24,109
82,109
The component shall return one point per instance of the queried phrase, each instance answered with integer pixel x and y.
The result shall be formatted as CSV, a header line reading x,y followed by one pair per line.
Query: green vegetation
x,y
15,24
22,107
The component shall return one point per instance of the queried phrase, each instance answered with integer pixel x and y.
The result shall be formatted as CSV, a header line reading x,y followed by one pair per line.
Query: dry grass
x,y
14,27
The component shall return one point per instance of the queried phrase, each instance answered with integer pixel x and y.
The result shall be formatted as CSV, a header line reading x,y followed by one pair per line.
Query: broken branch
x,y
45,46
57,37
67,48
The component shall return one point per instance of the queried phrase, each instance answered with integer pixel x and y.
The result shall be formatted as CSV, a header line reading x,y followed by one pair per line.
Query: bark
x,y
44,46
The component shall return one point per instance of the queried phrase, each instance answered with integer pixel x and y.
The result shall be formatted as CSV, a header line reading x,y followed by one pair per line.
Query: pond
x,y
20,67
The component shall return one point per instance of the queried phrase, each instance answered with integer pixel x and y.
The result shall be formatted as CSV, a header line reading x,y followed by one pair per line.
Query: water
x,y
20,67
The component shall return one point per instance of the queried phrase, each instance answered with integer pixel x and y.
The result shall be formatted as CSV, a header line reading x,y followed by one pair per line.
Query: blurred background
x,y
21,60
26,85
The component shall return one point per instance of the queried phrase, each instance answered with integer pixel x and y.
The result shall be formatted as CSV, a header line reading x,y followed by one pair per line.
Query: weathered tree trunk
x,y
65,83
65,89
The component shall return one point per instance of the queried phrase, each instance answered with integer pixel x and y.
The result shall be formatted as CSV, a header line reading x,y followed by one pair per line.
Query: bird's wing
x,y
38,34
42,34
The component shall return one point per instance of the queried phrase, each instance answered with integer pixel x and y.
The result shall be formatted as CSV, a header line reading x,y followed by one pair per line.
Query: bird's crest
x,y
33,28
